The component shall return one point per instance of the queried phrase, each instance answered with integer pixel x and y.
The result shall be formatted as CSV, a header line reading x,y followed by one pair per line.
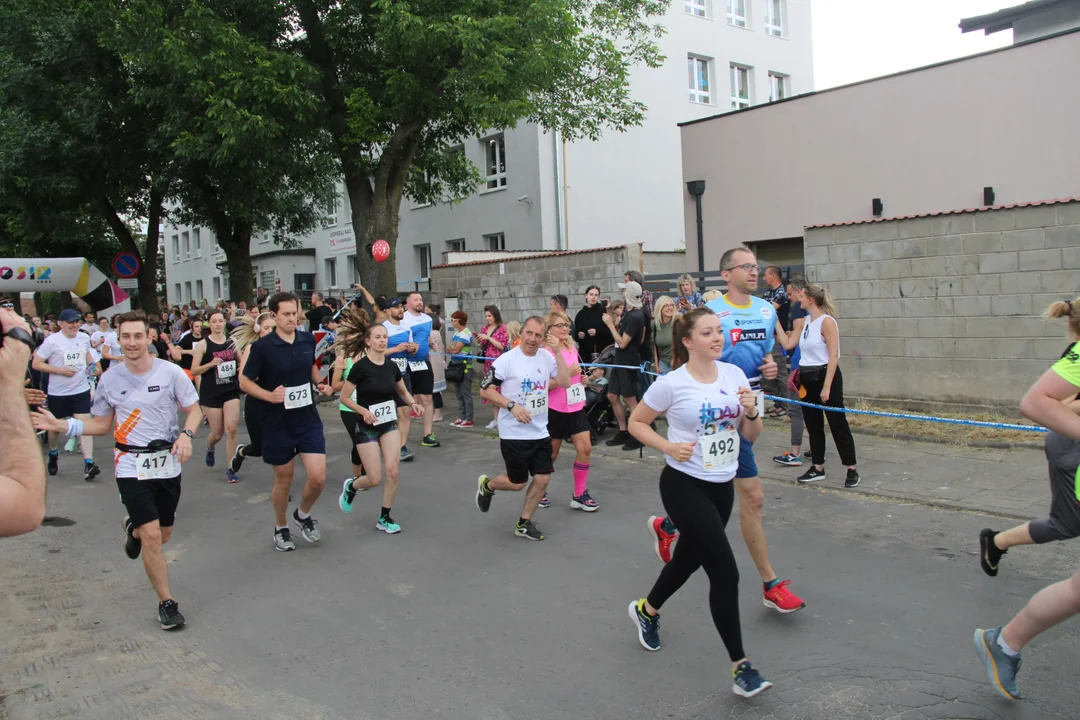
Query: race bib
x,y
575,394
418,365
384,412
298,396
226,370
155,466
536,402
74,359
401,363
719,449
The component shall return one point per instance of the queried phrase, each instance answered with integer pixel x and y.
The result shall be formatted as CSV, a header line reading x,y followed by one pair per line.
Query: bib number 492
x,y
719,450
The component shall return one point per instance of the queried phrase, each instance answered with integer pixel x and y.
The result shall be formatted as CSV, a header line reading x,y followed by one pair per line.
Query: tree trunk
x,y
148,290
381,223
39,305
235,240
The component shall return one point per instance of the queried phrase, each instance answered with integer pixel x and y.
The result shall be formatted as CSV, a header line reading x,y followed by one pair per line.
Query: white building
x,y
543,194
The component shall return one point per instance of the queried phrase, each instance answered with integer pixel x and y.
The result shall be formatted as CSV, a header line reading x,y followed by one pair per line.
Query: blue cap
x,y
70,315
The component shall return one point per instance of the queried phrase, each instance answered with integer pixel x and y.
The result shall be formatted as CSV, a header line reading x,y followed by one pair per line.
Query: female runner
x,y
219,394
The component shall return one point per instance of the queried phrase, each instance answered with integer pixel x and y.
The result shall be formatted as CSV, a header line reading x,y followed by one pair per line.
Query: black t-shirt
x,y
317,316
374,383
188,342
273,362
633,324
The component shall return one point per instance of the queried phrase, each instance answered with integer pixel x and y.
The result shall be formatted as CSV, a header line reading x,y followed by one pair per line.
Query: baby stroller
x,y
598,408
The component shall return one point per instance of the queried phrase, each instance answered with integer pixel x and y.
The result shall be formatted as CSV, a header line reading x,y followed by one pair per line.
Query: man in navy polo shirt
x,y
281,372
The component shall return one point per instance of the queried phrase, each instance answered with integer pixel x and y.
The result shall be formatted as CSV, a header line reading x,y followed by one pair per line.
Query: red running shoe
x,y
662,541
783,600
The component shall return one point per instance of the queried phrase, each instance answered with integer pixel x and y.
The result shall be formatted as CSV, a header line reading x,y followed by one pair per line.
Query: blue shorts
x,y
281,445
747,464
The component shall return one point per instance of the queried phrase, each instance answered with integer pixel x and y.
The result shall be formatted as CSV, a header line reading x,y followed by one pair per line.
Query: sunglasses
x,y
7,305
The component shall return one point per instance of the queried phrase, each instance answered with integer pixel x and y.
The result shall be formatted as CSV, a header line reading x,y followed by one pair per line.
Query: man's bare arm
x,y
22,469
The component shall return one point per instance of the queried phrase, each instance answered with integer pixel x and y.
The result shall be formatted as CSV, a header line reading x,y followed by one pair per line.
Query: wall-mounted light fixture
x,y
877,207
988,195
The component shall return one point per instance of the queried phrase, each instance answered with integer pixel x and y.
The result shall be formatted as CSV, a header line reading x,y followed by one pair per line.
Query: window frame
x,y
179,294
217,288
698,96
774,25
196,240
498,180
330,264
185,241
782,82
423,253
498,238
199,291
176,247
737,102
187,291
453,245
698,8
736,20
331,218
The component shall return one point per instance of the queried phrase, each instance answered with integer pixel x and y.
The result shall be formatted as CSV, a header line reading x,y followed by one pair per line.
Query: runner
x,y
518,384
400,344
66,357
220,390
342,366
142,394
566,414
710,411
748,323
371,391
247,332
280,371
1051,402
183,351
89,325
423,378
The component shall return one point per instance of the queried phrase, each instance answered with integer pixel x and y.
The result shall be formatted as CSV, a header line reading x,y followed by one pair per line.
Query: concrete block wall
x,y
523,287
947,308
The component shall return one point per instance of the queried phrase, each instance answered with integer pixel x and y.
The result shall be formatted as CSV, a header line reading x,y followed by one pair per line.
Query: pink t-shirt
x,y
557,396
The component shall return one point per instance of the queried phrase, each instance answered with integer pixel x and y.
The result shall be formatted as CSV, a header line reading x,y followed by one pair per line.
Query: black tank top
x,y
225,378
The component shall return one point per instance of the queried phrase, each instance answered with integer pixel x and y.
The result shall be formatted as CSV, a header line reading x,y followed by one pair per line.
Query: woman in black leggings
x,y
709,405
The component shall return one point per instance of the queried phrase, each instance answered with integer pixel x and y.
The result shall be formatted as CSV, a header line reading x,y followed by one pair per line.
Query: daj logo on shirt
x,y
715,419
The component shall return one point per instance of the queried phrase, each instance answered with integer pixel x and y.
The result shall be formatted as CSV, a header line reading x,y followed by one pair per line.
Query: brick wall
x,y
523,287
946,309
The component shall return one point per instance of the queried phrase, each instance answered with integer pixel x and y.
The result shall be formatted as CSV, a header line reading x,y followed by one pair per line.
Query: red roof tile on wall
x,y
525,256
990,208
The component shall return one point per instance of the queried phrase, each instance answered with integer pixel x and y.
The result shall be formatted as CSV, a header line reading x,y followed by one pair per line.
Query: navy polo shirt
x,y
273,362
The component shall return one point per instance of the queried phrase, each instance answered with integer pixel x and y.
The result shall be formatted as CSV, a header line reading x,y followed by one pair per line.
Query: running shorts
x,y
563,426
526,457
747,465
282,444
218,401
65,406
149,500
423,381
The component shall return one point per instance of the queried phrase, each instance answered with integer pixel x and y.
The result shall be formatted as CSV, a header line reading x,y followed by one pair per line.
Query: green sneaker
x,y
430,441
387,525
348,494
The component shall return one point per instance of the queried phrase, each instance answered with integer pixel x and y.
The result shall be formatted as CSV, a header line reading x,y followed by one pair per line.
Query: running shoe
x,y
466,424
209,457
231,476
54,462
387,525
811,475
584,502
808,455
483,494
782,600
789,458
237,459
406,456
662,540
437,418
132,544
648,626
492,425
748,681
307,527
283,540
852,479
544,502
348,494
430,441
169,615
91,471
1000,667
633,444
989,555
620,438
456,423
529,531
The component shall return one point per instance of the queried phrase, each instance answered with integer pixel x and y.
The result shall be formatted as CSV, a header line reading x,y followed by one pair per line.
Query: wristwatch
x,y
190,434
510,405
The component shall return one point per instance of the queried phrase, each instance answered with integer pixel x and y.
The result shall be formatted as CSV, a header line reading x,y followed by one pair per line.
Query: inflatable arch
x,y
74,275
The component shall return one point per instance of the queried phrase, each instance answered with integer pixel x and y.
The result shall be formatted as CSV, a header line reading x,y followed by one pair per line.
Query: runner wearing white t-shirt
x,y
710,410
141,394
66,357
518,384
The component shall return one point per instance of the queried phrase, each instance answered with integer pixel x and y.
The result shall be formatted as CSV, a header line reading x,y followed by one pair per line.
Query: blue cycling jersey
x,y
748,333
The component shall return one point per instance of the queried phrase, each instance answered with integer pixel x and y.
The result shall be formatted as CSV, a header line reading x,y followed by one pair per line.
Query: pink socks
x,y
581,478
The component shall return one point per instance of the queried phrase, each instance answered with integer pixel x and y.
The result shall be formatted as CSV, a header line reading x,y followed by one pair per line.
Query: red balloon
x,y
380,250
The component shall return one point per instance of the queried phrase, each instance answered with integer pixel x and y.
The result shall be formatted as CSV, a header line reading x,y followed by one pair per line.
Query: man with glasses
x,y
747,323
6,303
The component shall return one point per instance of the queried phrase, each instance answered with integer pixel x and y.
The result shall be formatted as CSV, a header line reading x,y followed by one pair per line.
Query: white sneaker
x,y
493,424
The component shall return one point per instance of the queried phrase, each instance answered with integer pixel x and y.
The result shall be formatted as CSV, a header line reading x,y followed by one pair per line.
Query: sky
x,y
859,39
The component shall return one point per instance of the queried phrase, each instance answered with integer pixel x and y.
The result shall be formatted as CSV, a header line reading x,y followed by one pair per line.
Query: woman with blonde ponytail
x,y
349,348
250,329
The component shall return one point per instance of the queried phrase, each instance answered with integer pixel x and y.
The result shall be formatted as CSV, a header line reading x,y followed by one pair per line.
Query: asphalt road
x,y
457,618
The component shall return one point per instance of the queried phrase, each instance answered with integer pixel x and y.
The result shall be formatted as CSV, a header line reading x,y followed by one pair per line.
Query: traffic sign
x,y
128,284
126,265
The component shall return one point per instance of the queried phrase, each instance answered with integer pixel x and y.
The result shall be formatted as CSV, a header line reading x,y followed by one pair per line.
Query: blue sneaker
x,y
544,502
231,476
748,681
347,496
387,525
648,626
209,457
1000,668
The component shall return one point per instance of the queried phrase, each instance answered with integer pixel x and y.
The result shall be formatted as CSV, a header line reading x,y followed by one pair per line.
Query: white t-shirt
x,y
89,328
696,410
111,344
97,336
58,351
525,380
145,407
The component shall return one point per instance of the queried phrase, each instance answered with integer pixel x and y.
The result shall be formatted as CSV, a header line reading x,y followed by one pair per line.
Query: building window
x,y
697,8
199,291
264,238
423,255
198,242
455,245
736,13
331,271
778,86
700,88
185,239
179,296
217,289
495,149
353,272
740,87
331,218
774,18
176,249
495,241
187,292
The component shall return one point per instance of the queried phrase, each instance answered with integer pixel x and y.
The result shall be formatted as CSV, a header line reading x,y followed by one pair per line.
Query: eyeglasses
x,y
561,325
7,305
748,267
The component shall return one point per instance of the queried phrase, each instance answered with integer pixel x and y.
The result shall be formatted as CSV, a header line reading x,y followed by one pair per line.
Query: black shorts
x,y
362,433
218,401
65,406
423,381
563,426
281,445
149,500
526,457
623,383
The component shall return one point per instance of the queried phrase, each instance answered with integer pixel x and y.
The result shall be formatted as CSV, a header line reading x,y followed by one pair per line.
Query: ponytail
x,y
682,326
351,335
821,298
247,331
1066,309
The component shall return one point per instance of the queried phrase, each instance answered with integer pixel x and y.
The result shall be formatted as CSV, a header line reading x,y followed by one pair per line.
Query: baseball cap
x,y
70,315
386,304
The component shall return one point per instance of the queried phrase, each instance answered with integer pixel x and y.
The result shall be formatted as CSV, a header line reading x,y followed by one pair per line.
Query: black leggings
x,y
351,419
253,417
814,380
701,511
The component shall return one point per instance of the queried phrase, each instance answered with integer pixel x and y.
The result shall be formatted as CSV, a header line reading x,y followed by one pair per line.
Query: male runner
x,y
281,371
518,384
66,356
142,394
423,377
399,344
747,323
